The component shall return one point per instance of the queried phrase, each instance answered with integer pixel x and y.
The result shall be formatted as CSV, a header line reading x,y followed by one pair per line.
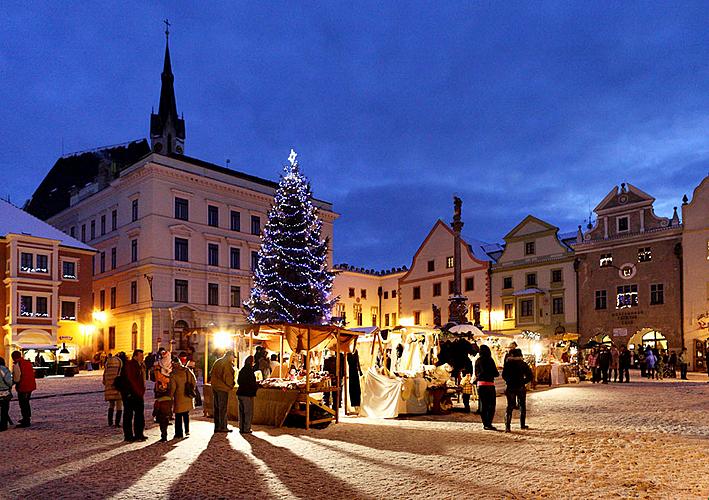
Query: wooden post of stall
x,y
280,359
307,384
337,370
344,383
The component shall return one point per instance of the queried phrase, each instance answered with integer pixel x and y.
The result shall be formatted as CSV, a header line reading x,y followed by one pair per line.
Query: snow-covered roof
x,y
17,221
482,250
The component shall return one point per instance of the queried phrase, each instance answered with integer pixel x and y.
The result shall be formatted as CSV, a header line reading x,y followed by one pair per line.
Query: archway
x,y
648,338
603,339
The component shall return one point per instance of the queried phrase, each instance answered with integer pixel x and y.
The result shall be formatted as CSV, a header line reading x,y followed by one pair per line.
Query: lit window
x,y
644,254
449,263
606,260
357,310
627,296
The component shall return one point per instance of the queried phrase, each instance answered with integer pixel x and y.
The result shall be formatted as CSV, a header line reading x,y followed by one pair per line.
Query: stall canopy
x,y
297,335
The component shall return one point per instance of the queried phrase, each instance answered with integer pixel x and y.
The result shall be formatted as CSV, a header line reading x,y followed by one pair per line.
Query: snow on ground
x,y
642,440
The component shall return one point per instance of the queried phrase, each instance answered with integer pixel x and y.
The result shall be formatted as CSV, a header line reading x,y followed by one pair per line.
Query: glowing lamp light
x,y
99,316
408,321
222,339
537,351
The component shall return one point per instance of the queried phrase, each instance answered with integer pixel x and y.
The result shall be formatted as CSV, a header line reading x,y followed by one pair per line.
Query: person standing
x,y
163,400
660,365
615,358
624,361
604,363
110,392
222,380
133,398
246,391
642,362
592,360
683,362
5,394
485,374
517,375
183,385
23,376
649,363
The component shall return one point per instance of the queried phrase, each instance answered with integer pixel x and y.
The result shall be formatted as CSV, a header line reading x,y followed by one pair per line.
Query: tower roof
x,y
166,128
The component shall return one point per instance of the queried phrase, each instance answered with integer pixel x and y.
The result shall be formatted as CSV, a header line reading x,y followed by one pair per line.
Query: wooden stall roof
x,y
319,334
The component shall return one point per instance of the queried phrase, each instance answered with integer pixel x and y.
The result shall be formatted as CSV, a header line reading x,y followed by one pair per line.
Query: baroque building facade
x,y
534,281
695,276
177,237
629,273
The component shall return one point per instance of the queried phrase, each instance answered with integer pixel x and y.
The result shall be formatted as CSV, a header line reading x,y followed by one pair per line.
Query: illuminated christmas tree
x,y
292,282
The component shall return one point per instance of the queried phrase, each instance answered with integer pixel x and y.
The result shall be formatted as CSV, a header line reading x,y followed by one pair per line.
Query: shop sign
x,y
620,332
66,337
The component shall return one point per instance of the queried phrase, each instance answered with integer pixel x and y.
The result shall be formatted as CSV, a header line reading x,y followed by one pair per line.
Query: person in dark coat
x,y
133,393
517,375
604,363
624,363
246,393
485,373
354,372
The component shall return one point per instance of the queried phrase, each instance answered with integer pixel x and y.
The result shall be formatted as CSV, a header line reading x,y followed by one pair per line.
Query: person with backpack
x,y
517,374
5,394
183,385
110,391
23,376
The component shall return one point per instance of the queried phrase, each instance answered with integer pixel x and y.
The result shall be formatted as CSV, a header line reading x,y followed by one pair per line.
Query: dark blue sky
x,y
519,108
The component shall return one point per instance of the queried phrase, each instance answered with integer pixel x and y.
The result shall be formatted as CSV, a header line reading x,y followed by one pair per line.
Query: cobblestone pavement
x,y
640,440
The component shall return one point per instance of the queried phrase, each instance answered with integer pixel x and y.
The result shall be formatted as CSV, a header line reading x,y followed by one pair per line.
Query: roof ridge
x,y
100,148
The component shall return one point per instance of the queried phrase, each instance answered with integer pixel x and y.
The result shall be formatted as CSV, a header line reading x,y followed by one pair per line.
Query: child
x,y
466,383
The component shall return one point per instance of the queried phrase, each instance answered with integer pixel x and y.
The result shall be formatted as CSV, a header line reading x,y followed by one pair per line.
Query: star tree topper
x,y
291,157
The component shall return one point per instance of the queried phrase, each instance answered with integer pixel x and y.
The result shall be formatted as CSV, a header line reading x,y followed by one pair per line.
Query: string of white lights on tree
x,y
292,282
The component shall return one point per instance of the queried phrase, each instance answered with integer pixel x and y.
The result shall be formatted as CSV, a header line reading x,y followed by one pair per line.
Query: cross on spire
x,y
167,27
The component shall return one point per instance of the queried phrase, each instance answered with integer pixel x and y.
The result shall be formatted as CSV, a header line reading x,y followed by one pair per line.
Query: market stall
x,y
553,359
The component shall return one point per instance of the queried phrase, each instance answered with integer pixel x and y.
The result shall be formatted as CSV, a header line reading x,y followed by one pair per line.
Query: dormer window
x,y
623,224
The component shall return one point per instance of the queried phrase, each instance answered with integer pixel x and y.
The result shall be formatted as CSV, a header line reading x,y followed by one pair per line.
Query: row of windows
x,y
363,293
32,306
432,264
437,288
526,308
644,255
182,254
627,296
39,263
182,212
102,222
557,276
182,293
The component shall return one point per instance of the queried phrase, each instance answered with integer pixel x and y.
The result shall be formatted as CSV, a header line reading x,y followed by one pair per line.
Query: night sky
x,y
518,108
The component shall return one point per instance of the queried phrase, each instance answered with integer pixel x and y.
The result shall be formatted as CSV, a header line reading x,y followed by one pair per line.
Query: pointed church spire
x,y
167,130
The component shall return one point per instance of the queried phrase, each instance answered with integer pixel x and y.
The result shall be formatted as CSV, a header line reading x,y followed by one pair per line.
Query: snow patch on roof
x,y
17,221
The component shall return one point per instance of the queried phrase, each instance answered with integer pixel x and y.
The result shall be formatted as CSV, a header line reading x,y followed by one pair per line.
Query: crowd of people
x,y
612,364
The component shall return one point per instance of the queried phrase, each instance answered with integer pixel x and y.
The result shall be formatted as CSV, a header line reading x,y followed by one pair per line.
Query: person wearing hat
x,y
222,380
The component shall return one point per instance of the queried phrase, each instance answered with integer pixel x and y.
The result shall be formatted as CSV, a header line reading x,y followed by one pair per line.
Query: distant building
x,y
629,273
695,261
177,237
360,302
47,292
425,288
534,281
